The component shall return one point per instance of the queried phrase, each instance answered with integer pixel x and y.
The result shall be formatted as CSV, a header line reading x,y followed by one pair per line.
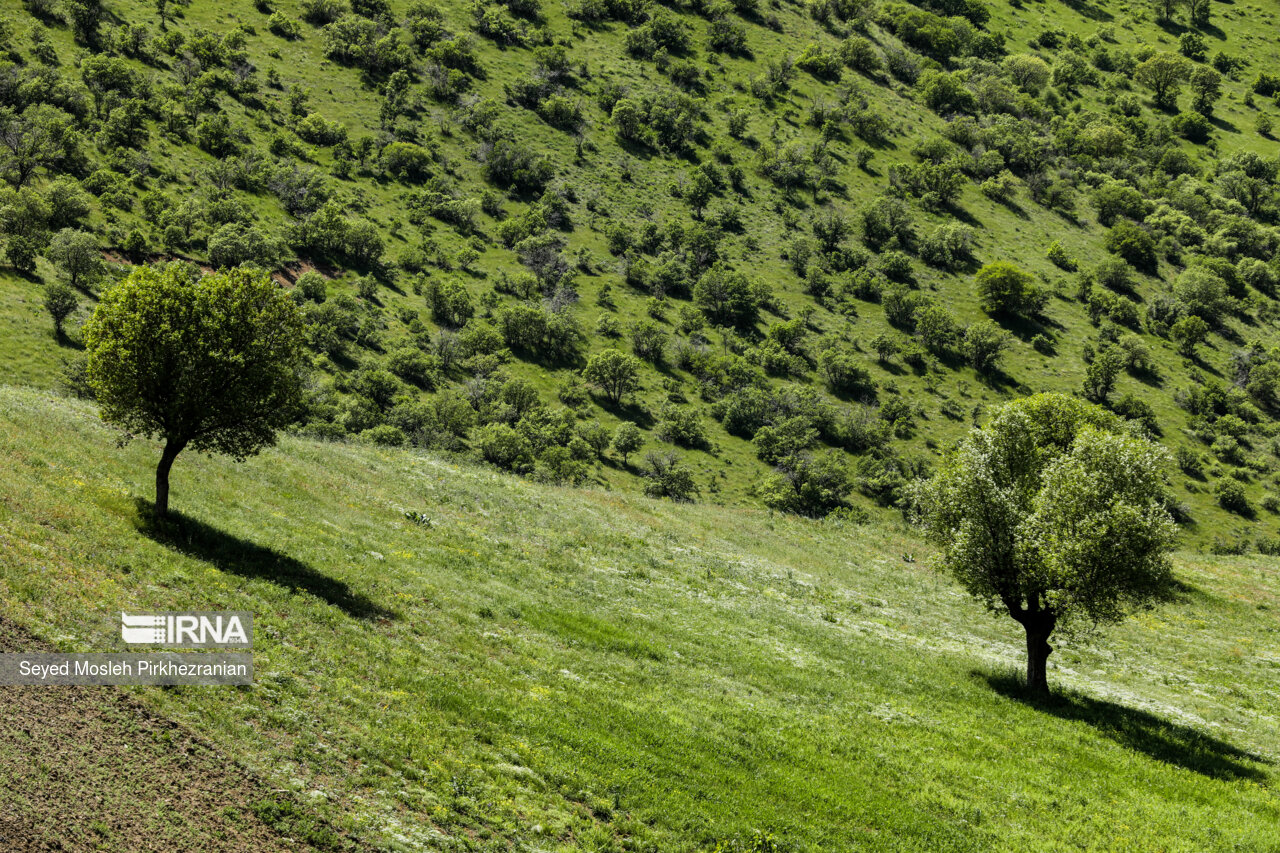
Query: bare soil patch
x,y
91,768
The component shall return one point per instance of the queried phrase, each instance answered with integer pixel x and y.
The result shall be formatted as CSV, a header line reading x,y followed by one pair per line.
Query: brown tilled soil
x,y
90,768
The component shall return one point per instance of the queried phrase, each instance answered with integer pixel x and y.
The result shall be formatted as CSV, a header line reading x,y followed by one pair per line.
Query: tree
x,y
726,297
1004,288
76,254
627,440
1101,374
1188,333
1198,11
667,477
984,345
236,243
35,139
1206,87
1054,513
208,362
1163,74
615,373
61,302
1028,73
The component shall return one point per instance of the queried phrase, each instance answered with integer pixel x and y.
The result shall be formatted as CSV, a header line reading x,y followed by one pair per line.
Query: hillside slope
x,y
779,207
532,667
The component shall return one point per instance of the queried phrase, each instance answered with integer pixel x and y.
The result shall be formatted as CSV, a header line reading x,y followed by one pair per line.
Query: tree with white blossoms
x,y
1054,513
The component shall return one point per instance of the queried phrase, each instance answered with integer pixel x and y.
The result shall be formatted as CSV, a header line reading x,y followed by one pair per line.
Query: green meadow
x,y
451,658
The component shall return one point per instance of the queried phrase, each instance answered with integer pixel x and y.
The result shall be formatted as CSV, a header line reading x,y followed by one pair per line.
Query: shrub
x,y
1202,293
984,345
808,485
615,373
682,426
1231,496
1133,243
649,341
500,445
237,243
627,440
948,246
1004,288
726,297
844,375
1058,257
667,477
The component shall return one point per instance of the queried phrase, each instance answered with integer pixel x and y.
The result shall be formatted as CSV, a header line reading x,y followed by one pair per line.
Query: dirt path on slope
x,y
90,768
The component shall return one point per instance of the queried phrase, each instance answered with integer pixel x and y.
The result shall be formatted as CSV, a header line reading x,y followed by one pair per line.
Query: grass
x,y
550,669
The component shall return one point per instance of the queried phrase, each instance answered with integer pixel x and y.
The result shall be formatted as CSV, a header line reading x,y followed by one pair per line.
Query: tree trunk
x,y
171,450
1038,626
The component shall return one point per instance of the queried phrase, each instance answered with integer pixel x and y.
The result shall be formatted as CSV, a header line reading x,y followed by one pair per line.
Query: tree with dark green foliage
x,y
726,297
60,301
211,362
1053,513
1004,288
627,440
1163,74
615,373
76,254
667,477
1101,373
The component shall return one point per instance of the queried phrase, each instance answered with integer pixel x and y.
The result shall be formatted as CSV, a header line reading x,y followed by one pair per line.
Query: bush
x,y
649,341
887,223
1058,257
948,246
1004,288
844,375
236,243
726,297
627,440
1203,294
667,477
1133,243
615,373
984,345
500,445
1231,497
808,485
682,426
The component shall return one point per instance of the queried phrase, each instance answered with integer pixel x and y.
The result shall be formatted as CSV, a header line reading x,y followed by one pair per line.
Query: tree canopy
x,y
210,362
1055,512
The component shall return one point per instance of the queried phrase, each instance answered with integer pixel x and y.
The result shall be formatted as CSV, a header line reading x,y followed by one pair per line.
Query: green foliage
x,y
615,373
211,362
76,255
60,301
1053,514
667,477
1004,288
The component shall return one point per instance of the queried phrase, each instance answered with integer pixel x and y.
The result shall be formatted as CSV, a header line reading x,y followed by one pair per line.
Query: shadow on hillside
x,y
1160,739
229,553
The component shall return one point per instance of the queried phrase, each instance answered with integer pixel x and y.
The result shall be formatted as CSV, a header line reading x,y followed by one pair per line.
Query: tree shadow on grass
x,y
1160,739
229,553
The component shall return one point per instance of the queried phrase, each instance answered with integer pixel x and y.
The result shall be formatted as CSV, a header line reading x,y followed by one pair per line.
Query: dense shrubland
x,y
803,240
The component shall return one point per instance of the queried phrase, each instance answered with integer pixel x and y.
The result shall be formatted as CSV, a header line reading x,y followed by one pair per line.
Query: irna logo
x,y
188,629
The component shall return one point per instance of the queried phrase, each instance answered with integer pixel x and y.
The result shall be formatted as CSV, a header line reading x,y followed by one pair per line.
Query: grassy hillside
x,y
484,218
532,667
